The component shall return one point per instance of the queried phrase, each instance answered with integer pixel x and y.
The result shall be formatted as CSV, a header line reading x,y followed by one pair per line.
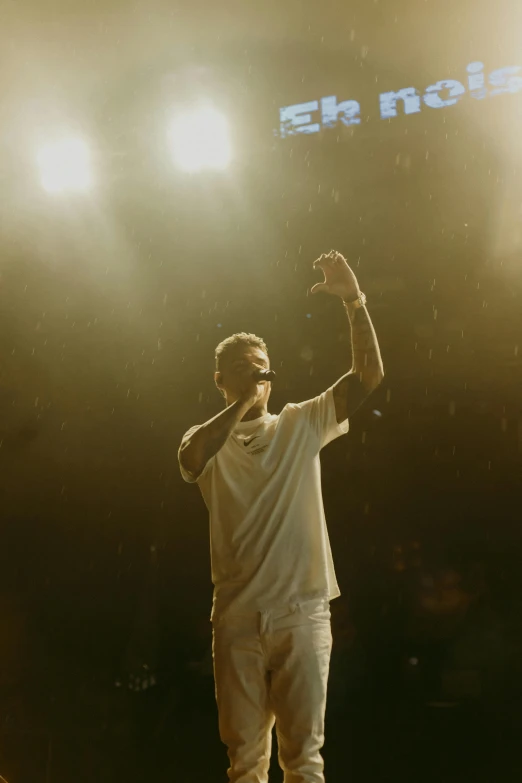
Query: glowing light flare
x,y
65,165
200,139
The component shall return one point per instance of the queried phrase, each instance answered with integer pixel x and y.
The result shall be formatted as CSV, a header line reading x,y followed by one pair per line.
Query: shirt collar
x,y
245,426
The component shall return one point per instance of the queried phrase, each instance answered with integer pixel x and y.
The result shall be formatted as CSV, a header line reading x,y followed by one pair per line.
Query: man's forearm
x,y
367,362
209,438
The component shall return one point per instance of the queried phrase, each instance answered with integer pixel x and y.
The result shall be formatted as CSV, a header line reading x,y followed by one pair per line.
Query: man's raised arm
x,y
367,371
200,445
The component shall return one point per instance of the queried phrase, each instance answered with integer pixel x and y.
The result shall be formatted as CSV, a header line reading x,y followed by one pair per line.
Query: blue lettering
x,y
388,101
476,81
500,79
433,99
350,111
296,119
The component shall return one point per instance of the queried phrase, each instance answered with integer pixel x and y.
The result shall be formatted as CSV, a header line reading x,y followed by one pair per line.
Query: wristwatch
x,y
359,302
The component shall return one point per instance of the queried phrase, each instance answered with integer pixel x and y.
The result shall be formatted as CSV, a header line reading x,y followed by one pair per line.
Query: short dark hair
x,y
230,344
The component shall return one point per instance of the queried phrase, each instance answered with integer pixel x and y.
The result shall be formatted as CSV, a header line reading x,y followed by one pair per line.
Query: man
x,y
272,567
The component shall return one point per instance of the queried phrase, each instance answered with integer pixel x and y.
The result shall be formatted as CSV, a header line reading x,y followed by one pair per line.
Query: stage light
x,y
65,165
200,140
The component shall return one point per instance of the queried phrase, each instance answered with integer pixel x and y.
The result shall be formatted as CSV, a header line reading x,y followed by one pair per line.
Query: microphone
x,y
264,375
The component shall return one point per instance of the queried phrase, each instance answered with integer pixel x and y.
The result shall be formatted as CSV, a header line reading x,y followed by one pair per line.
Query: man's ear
x,y
217,380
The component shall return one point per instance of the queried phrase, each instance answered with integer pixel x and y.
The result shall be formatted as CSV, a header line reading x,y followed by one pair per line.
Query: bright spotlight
x,y
200,140
65,165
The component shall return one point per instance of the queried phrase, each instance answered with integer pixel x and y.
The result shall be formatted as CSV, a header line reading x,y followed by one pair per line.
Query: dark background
x,y
111,305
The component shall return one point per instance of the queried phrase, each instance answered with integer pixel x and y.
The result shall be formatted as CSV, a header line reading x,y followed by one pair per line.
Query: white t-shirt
x,y
269,543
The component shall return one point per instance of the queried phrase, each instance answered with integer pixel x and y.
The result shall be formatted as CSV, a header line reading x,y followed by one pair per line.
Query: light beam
x,y
200,139
65,165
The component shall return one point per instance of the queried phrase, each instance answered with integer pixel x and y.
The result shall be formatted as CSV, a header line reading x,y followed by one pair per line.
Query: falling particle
x,y
377,413
388,395
452,408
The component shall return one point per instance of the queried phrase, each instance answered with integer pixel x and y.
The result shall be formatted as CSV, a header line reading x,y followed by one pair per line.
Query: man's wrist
x,y
358,300
352,306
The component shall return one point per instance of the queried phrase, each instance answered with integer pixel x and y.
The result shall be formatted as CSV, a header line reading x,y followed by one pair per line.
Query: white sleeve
x,y
320,415
186,476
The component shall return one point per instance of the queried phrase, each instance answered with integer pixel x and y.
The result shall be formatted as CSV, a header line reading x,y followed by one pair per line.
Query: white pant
x,y
273,667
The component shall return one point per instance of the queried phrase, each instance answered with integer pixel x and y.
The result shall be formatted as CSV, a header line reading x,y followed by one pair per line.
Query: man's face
x,y
239,365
